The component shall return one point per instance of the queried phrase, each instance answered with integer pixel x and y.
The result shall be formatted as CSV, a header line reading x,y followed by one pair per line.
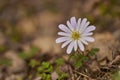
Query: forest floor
x,y
28,30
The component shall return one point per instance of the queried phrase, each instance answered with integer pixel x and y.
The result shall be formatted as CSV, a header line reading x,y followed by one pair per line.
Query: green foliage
x,y
79,59
16,37
51,6
116,75
25,55
59,61
15,34
45,67
6,62
44,70
110,9
63,76
93,51
20,78
33,63
3,48
30,77
46,76
90,18
34,50
104,10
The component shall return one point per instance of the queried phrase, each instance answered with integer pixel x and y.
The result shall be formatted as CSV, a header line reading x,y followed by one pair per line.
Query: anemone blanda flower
x,y
76,34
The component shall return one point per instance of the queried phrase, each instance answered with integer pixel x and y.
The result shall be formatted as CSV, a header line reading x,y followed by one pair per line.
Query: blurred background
x,y
27,25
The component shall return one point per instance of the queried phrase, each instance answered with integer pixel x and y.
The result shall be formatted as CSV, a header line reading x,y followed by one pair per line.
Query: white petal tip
x,y
62,46
84,18
73,17
93,40
60,25
94,27
57,41
82,49
68,52
58,33
86,43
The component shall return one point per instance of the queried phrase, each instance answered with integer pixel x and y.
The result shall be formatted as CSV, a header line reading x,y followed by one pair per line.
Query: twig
x,y
78,78
82,74
71,72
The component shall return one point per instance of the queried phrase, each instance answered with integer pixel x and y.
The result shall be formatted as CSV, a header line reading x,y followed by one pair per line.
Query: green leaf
x,y
79,59
33,63
40,69
49,70
30,76
23,55
44,76
33,51
6,62
104,10
57,70
45,64
45,67
63,76
59,61
84,58
116,75
93,51
48,77
3,48
78,64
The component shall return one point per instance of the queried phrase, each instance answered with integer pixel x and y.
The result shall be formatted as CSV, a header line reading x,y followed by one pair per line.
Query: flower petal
x,y
85,26
62,39
63,34
90,28
73,22
70,26
75,45
70,47
82,24
89,39
81,46
78,24
84,41
66,43
64,28
87,34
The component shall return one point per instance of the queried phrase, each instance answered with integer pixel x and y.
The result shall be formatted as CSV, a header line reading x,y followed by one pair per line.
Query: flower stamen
x,y
75,35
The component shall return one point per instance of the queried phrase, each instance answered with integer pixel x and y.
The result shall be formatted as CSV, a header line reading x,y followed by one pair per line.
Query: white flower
x,y
75,34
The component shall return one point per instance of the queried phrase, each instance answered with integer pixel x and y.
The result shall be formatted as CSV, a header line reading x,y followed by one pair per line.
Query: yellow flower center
x,y
75,35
